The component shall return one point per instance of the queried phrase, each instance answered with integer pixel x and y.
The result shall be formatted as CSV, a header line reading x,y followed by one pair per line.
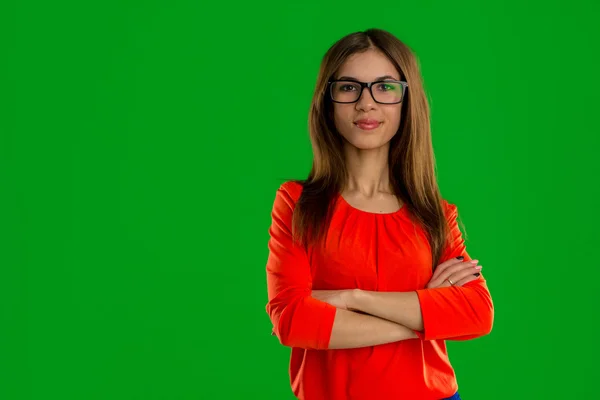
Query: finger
x,y
448,263
445,283
466,280
449,271
459,279
465,273
467,265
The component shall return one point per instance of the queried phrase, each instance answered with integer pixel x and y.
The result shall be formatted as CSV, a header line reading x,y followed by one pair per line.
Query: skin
x,y
366,318
366,152
399,307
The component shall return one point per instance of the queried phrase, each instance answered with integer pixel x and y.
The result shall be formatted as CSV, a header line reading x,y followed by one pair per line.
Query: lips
x,y
367,124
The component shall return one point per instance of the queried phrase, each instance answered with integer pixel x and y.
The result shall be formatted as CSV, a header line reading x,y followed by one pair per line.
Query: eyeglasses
x,y
384,92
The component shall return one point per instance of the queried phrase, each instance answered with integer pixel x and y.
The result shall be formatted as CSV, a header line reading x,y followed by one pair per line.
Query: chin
x,y
367,143
367,140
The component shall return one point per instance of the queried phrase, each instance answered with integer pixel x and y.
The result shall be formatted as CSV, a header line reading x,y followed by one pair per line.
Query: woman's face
x,y
366,124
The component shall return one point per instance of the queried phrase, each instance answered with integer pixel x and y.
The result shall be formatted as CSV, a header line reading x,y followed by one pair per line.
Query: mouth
x,y
367,124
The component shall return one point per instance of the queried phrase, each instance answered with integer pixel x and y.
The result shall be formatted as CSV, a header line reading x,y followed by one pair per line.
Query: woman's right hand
x,y
454,272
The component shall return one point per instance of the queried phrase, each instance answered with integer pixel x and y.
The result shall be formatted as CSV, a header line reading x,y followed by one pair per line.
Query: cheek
x,y
393,119
341,117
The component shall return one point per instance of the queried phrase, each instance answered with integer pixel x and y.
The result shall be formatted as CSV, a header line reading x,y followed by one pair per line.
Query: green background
x,y
141,144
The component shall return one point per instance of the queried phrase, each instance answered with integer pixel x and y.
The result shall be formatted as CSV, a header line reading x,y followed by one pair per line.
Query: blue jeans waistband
x,y
455,396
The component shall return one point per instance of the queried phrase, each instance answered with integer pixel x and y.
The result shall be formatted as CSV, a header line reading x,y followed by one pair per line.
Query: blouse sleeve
x,y
456,312
298,319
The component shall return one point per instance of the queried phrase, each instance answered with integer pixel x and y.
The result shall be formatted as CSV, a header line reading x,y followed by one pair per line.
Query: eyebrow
x,y
379,78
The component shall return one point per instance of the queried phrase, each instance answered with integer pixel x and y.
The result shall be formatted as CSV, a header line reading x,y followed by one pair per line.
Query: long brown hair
x,y
411,158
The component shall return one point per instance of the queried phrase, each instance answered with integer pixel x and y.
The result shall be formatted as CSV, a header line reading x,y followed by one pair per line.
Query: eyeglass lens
x,y
383,92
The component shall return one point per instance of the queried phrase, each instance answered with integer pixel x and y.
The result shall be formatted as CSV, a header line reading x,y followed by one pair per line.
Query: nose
x,y
365,101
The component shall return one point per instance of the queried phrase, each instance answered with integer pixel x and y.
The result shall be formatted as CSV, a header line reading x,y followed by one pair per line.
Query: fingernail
x,y
460,258
477,274
474,261
478,267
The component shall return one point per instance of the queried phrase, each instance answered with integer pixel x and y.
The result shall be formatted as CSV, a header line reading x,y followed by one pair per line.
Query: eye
x,y
346,87
385,87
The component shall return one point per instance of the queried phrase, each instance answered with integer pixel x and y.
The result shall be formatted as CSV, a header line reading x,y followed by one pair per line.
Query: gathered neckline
x,y
343,200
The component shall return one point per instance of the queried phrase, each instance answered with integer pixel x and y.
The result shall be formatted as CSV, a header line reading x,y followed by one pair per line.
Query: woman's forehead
x,y
368,66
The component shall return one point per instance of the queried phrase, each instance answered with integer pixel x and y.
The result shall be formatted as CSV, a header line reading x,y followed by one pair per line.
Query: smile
x,y
367,125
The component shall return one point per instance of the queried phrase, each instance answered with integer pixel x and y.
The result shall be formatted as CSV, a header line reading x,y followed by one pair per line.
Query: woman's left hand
x,y
337,298
454,273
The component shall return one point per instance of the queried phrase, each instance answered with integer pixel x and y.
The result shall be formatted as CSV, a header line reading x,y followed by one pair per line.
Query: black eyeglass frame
x,y
368,85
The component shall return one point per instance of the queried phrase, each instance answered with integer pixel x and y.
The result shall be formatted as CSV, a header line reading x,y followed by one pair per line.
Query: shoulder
x,y
450,209
288,194
290,190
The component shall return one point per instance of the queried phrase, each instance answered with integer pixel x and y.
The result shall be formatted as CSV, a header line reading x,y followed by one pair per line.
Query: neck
x,y
368,170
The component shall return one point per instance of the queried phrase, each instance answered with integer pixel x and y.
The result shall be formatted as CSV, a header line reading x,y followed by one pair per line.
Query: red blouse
x,y
377,252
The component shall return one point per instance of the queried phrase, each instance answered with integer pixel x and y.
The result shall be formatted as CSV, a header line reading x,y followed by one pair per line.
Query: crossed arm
x,y
356,318
318,320
352,330
403,308
446,312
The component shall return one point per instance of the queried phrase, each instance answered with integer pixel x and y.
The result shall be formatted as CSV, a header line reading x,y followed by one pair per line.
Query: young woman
x,y
368,274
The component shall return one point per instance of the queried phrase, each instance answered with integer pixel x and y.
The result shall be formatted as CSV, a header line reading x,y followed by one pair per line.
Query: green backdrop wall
x,y
141,144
